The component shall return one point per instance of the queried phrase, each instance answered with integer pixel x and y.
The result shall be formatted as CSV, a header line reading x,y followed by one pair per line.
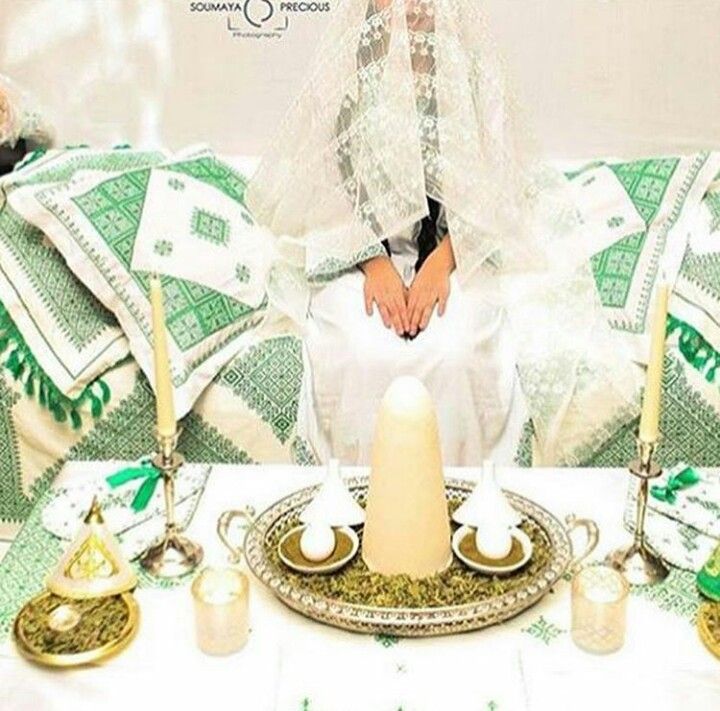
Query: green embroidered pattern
x,y
678,594
544,631
698,352
210,170
690,427
210,227
242,273
78,314
614,269
387,640
703,270
302,453
712,200
14,505
176,184
646,182
615,221
268,378
193,312
163,248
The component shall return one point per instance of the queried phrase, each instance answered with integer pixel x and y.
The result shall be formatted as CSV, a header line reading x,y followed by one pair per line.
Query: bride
x,y
433,246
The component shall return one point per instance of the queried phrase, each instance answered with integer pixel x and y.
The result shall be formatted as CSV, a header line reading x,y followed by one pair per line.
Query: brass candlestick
x,y
174,555
638,562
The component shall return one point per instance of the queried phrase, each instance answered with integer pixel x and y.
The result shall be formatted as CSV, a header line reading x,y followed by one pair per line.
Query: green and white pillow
x,y
73,339
650,208
191,230
94,220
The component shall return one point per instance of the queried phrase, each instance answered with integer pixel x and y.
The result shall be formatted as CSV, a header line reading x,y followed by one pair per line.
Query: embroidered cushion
x,y
66,333
649,208
94,222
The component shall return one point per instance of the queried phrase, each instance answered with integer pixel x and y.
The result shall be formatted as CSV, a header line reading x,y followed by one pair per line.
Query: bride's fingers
x,y
426,314
369,298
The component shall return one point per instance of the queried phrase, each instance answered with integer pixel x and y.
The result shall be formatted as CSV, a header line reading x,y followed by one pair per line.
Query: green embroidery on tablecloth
x,y
210,227
524,452
678,594
79,316
646,182
268,378
615,221
543,630
163,247
614,269
176,184
698,352
193,312
387,640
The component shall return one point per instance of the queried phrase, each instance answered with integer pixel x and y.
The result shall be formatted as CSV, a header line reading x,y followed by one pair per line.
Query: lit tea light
x,y
221,598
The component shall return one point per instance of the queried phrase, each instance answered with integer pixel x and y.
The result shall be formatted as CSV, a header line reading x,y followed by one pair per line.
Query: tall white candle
x,y
166,423
650,418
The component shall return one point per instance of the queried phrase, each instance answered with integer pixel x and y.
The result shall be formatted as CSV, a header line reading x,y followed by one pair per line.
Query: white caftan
x,y
465,359
405,100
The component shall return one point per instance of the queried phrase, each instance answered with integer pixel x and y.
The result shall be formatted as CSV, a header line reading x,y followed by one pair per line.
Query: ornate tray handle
x,y
248,516
592,533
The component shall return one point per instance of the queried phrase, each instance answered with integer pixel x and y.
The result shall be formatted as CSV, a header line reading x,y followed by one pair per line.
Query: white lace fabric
x,y
408,99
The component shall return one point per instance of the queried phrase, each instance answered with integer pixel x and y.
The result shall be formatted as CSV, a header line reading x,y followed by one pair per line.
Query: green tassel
x,y
4,343
59,413
42,396
30,385
105,389
96,407
13,363
75,419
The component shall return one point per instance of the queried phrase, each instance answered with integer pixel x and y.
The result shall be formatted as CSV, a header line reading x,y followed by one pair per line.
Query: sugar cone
x,y
94,564
407,527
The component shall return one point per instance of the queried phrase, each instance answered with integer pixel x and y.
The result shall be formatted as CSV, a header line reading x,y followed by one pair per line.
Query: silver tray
x,y
265,531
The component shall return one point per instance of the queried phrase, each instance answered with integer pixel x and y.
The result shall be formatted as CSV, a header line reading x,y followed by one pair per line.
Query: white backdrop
x,y
622,77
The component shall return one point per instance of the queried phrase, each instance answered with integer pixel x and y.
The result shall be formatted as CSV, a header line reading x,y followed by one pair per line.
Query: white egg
x,y
317,542
494,542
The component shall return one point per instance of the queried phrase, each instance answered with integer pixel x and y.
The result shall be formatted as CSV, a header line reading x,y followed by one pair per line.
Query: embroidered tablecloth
x,y
293,664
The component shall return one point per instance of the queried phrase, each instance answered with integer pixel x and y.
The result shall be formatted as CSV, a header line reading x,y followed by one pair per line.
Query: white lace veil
x,y
407,99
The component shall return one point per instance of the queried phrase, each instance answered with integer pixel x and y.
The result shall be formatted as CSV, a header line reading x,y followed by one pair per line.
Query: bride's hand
x,y
384,287
431,286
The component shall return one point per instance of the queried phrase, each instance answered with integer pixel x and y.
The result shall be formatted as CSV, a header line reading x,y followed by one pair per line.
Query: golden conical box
x,y
94,564
407,527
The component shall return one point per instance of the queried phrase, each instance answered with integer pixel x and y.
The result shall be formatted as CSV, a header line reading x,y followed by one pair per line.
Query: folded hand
x,y
384,287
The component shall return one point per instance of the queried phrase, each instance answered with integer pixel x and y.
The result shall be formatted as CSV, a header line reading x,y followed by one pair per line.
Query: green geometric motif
x,y
79,316
646,182
213,172
193,312
678,594
210,227
614,268
690,427
242,273
163,248
268,378
703,270
544,631
713,203
14,504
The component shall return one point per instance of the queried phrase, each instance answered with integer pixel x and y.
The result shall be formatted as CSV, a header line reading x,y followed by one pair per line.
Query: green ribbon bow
x,y
683,480
145,471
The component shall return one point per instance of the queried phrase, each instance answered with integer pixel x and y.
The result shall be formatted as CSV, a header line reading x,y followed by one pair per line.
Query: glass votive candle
x,y
221,598
599,604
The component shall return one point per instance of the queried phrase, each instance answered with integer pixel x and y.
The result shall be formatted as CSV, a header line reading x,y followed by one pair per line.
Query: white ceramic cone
x,y
333,505
487,505
94,564
407,527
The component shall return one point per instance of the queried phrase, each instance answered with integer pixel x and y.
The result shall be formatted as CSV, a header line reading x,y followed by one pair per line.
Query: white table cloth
x,y
294,664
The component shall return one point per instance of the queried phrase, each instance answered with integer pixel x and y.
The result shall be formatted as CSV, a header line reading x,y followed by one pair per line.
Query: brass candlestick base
x,y
638,562
174,555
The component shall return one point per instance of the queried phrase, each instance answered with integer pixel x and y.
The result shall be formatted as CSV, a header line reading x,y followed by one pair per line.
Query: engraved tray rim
x,y
407,621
